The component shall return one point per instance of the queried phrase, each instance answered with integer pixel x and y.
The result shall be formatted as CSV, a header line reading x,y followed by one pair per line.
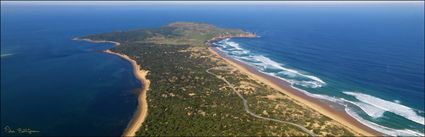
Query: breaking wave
x,y
267,65
372,106
375,107
383,129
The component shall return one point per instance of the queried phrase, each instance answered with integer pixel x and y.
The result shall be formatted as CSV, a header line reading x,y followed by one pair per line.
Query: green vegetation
x,y
179,33
186,100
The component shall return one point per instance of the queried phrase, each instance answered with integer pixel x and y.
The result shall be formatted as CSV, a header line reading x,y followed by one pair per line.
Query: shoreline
x,y
282,86
142,107
141,112
97,41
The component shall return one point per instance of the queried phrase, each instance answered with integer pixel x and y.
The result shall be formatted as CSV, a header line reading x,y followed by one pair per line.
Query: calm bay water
x,y
369,57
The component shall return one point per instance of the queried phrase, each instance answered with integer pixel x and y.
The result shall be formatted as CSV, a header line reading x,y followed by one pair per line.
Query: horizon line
x,y
118,3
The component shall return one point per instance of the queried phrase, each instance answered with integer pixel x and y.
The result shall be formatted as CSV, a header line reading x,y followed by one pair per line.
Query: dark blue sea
x,y
368,57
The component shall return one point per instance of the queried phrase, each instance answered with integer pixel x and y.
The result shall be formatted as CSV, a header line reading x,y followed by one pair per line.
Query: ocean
x,y
368,57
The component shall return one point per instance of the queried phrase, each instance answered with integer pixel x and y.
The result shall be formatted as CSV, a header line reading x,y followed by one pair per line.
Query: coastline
x,y
284,87
141,112
142,107
98,41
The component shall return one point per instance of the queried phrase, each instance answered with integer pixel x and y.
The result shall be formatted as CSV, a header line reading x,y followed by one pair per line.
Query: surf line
x,y
280,85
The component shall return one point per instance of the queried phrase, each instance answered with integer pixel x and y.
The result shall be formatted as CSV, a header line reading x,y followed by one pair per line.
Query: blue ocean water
x,y
369,57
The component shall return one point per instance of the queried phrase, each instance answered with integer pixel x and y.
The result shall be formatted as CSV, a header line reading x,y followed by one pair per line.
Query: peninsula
x,y
191,89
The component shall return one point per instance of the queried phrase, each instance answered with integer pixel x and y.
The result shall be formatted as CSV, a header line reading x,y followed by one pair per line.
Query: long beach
x,y
284,87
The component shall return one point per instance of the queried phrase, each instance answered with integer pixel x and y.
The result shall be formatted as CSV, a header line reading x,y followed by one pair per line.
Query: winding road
x,y
245,102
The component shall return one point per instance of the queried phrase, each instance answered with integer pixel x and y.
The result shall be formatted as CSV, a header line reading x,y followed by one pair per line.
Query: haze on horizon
x,y
115,3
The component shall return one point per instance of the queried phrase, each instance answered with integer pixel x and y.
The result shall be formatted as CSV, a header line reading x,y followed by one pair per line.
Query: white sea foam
x,y
264,63
320,96
309,84
397,101
267,62
374,107
5,55
382,129
240,52
289,74
234,45
370,109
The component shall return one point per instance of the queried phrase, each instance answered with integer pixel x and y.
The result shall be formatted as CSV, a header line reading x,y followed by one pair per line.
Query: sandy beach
x,y
283,87
142,107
